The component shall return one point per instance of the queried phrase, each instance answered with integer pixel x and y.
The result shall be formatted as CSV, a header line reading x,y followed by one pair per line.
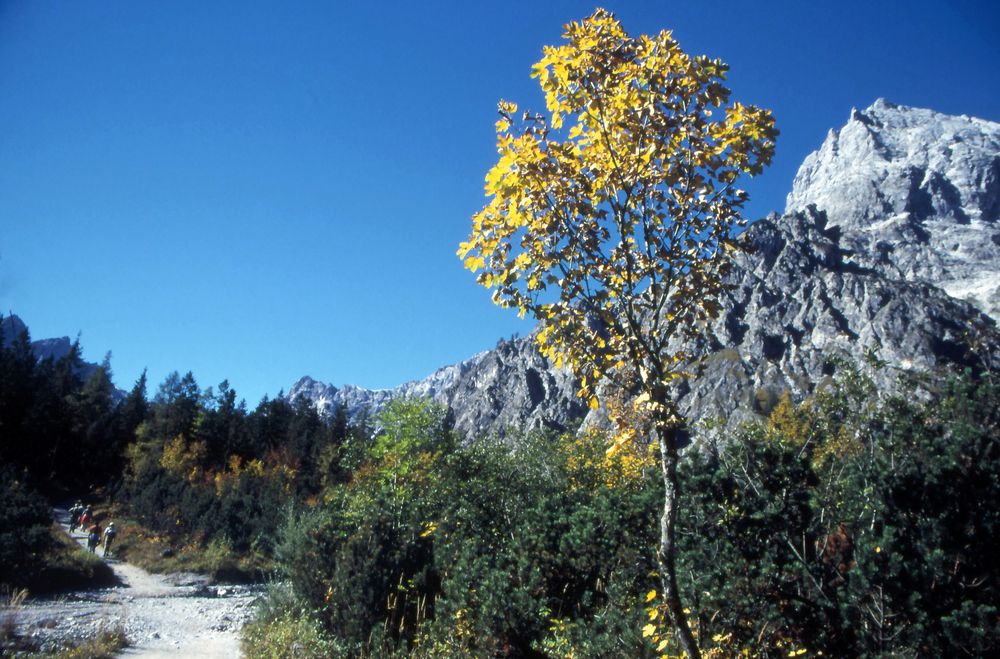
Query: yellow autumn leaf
x,y
648,631
650,596
474,263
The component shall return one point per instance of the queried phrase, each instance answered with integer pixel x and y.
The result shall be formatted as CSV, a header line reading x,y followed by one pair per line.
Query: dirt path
x,y
176,615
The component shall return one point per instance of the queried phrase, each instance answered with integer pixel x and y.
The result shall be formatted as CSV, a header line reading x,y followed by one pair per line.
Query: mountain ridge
x,y
889,245
55,349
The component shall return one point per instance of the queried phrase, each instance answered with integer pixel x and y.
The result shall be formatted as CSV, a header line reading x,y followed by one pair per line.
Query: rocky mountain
x,y
11,326
915,192
509,386
889,247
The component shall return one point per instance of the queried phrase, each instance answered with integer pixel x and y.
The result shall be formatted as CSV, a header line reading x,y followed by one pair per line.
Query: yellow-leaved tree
x,y
610,219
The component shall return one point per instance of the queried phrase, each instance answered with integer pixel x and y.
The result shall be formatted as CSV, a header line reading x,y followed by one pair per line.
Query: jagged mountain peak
x,y
892,159
917,190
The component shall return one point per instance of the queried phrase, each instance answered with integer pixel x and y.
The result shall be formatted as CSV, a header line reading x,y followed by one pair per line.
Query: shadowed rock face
x,y
11,327
509,386
800,296
890,245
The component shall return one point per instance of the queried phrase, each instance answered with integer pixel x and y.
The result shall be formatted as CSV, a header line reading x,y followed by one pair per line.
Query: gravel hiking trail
x,y
168,615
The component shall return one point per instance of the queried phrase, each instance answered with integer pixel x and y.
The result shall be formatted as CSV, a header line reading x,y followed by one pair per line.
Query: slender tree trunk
x,y
667,554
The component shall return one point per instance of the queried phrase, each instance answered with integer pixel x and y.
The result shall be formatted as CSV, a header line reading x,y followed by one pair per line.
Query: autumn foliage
x,y
609,220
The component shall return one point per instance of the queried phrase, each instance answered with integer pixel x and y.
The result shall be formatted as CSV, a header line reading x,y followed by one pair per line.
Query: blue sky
x,y
263,190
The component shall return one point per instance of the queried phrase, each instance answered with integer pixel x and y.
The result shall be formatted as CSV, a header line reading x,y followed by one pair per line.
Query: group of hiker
x,y
82,517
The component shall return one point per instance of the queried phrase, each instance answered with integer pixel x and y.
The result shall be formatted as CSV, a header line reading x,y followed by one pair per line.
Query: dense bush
x,y
24,529
536,547
289,637
375,579
849,525
480,550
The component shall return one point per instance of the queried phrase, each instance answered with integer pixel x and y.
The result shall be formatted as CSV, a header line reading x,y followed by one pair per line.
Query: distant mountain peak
x,y
918,187
890,159
55,349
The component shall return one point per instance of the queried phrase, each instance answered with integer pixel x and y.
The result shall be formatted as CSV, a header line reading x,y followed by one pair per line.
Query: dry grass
x,y
104,646
11,600
156,553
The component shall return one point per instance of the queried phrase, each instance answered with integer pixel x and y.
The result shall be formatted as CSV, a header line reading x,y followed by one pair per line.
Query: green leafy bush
x,y
480,550
290,635
851,525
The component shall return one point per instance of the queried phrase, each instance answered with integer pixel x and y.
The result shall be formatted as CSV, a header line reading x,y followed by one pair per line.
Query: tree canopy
x,y
610,219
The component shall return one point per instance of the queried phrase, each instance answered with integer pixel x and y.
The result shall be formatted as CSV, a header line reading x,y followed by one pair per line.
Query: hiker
x,y
94,537
109,537
86,517
74,516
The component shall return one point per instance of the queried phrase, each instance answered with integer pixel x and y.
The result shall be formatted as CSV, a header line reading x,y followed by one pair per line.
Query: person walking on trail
x,y
93,537
74,516
109,537
86,517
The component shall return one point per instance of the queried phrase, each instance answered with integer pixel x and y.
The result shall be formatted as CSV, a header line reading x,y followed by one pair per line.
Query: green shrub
x,y
25,538
480,550
284,626
851,525
290,636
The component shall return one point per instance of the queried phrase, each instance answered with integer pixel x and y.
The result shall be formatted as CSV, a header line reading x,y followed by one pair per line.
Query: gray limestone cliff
x,y
511,386
915,192
800,299
889,247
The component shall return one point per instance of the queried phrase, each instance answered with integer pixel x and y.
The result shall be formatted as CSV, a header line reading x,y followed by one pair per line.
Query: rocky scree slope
x,y
889,246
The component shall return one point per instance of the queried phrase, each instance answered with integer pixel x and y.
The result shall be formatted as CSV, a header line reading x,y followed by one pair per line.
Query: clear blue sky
x,y
262,190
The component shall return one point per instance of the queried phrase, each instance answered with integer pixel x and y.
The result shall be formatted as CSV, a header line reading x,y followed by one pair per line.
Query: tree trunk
x,y
667,554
